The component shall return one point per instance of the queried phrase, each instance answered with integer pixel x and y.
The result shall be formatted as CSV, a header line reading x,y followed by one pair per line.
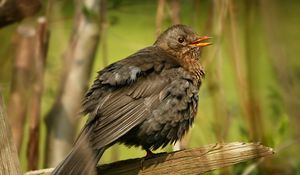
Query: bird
x,y
148,99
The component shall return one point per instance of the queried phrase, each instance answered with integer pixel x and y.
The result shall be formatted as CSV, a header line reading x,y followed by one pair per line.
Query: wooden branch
x,y
191,161
9,162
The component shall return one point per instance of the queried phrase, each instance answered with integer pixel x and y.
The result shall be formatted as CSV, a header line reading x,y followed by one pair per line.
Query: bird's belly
x,y
169,120
166,133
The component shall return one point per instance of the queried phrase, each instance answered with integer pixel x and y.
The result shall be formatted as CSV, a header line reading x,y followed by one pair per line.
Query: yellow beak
x,y
199,42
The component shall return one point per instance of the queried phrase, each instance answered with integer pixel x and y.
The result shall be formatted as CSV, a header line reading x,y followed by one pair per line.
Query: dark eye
x,y
181,39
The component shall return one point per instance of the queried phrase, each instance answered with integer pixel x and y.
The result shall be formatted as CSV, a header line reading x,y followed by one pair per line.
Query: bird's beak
x,y
199,42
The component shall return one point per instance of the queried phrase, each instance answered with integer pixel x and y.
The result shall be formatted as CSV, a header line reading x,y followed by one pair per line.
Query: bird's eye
x,y
180,39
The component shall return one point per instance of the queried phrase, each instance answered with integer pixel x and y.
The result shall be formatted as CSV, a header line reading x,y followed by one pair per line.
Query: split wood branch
x,y
191,161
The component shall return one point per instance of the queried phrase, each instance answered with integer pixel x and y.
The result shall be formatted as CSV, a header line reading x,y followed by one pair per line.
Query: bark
x,y
9,161
41,46
17,107
61,120
187,162
15,10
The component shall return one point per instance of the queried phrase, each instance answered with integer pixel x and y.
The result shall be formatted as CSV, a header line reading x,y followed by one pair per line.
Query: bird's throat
x,y
194,67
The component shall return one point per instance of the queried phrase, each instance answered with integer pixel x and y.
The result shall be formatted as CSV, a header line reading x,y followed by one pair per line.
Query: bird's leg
x,y
149,154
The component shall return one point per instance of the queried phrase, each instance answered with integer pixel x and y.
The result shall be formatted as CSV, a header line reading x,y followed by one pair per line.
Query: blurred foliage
x,y
132,27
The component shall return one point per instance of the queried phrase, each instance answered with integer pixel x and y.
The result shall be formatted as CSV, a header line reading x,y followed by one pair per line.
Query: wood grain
x,y
184,162
9,162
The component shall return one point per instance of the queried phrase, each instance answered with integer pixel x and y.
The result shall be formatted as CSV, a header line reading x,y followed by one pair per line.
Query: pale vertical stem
x,y
214,64
175,11
237,59
79,57
253,106
239,67
215,80
159,15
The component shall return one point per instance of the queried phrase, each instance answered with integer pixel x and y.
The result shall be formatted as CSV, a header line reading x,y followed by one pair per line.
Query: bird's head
x,y
180,41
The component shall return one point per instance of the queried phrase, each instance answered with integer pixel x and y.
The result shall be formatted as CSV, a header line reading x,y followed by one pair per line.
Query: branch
x,y
9,162
191,161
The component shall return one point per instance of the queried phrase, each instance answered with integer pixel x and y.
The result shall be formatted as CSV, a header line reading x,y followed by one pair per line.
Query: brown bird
x,y
148,99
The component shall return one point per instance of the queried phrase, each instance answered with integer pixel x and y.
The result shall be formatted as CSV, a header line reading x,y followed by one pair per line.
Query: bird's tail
x,y
82,159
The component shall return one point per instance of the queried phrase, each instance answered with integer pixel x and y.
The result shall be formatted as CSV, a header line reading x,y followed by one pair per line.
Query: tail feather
x,y
82,159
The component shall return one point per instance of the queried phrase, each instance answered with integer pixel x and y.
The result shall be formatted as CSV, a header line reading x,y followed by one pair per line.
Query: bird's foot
x,y
149,155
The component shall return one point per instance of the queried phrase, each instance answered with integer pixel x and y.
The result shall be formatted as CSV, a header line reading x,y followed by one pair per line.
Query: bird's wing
x,y
122,74
125,108
174,115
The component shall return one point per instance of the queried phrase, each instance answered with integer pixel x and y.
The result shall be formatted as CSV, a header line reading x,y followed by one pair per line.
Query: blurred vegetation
x,y
247,36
